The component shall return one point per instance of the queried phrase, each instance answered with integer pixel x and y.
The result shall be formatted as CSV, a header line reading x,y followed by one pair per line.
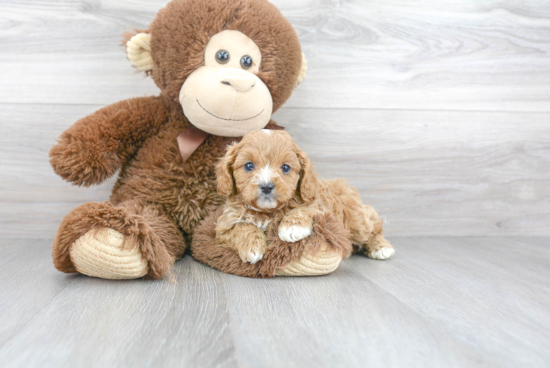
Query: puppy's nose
x,y
267,188
241,80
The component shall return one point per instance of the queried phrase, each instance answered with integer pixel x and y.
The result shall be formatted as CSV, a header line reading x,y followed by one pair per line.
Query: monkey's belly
x,y
185,192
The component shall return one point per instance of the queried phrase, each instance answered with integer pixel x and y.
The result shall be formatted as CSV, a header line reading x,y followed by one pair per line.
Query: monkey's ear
x,y
139,51
303,70
224,171
308,180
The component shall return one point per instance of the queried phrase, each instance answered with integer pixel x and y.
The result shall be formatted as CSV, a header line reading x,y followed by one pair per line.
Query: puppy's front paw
x,y
253,253
251,256
295,227
293,233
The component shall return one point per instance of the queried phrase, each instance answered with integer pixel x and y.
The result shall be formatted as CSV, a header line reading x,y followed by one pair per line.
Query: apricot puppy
x,y
266,177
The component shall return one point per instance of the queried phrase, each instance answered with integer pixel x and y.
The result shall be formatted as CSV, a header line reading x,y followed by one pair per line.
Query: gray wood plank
x,y
453,302
343,320
5,242
493,293
26,134
33,220
491,55
438,172
92,322
427,172
29,282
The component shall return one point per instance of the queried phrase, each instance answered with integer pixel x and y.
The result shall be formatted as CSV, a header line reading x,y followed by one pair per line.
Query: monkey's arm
x,y
96,146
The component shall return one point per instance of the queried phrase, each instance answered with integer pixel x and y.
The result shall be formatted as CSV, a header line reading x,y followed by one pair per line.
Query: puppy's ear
x,y
224,171
308,181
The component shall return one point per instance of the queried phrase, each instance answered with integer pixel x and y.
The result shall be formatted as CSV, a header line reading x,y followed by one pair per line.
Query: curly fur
x,y
327,232
298,196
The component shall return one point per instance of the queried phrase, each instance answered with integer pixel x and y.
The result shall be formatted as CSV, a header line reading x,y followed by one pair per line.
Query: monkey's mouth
x,y
217,117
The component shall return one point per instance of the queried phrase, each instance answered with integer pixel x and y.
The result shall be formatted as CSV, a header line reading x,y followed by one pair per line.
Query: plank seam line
x,y
302,108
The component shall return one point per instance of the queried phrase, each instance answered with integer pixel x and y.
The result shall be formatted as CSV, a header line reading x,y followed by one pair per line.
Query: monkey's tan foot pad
x,y
321,263
100,253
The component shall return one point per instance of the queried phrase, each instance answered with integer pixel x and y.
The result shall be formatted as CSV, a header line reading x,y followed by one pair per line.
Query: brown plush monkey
x,y
223,67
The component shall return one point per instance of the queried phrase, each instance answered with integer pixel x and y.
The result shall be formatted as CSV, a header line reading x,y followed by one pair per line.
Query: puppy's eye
x,y
285,168
222,56
246,62
249,166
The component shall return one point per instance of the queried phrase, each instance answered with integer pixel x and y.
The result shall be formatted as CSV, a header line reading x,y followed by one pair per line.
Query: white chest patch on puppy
x,y
293,233
262,225
258,223
252,208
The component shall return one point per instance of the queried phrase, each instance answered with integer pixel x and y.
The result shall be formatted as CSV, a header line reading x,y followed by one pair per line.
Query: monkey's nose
x,y
267,188
241,80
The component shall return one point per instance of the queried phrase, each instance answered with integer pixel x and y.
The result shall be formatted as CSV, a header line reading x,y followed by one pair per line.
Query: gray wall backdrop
x,y
437,110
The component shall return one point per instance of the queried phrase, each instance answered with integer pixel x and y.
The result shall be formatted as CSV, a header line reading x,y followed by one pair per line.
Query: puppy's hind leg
x,y
376,246
379,247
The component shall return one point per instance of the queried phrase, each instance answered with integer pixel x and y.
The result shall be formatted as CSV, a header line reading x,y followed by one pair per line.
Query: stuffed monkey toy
x,y
223,67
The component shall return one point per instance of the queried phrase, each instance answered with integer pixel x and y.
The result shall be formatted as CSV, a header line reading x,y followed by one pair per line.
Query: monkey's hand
x,y
82,161
95,147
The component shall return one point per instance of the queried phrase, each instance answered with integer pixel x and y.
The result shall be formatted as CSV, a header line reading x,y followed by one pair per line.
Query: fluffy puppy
x,y
266,177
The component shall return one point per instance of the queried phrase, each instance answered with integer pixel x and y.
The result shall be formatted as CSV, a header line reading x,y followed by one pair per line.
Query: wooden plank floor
x,y
441,302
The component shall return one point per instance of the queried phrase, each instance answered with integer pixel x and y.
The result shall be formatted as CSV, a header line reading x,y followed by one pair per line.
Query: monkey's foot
x,y
102,253
321,263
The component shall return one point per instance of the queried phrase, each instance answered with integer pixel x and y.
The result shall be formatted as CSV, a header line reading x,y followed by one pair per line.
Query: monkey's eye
x,y
246,62
249,166
285,168
222,56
